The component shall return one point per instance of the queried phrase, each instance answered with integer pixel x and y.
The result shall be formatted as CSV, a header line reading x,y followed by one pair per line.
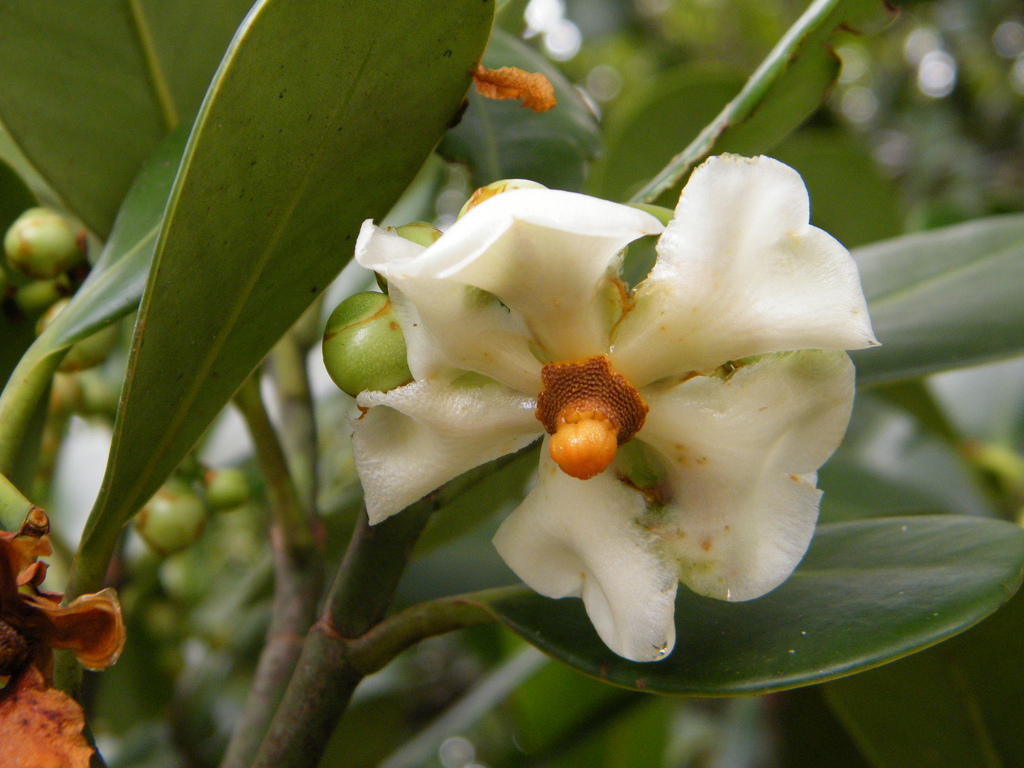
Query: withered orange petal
x,y
41,726
33,574
91,627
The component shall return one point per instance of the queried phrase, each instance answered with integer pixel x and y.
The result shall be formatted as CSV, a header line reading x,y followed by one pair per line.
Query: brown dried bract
x,y
533,88
34,621
41,727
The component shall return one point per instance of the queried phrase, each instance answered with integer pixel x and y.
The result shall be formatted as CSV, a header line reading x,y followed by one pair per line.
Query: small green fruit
x,y
364,348
41,244
226,488
172,519
419,232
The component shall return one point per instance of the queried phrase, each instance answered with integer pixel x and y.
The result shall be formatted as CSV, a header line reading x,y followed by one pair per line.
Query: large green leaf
x,y
111,290
319,116
943,299
958,705
866,593
88,90
785,89
503,140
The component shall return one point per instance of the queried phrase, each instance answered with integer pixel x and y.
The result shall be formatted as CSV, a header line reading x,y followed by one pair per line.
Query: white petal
x,y
414,438
743,454
448,327
740,272
581,538
545,254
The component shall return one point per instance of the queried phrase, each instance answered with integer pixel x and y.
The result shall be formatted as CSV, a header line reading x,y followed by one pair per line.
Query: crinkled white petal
x,y
743,456
545,254
741,272
414,438
448,327
582,538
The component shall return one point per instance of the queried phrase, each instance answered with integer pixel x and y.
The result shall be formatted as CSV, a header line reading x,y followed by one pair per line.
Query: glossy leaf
x,y
503,140
319,117
866,593
783,92
957,705
943,299
89,90
890,464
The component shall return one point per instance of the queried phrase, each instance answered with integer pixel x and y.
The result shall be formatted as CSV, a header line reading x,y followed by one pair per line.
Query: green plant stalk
x,y
21,397
346,642
741,107
298,580
289,515
325,678
298,424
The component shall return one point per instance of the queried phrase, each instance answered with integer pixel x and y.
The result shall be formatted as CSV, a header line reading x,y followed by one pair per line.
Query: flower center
x,y
589,410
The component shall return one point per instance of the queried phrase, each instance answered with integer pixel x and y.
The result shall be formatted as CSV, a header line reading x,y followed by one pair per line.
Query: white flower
x,y
688,405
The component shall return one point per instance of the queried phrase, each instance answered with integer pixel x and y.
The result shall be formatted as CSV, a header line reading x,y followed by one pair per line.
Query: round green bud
x,y
172,519
36,296
42,244
496,188
90,351
419,232
364,348
226,488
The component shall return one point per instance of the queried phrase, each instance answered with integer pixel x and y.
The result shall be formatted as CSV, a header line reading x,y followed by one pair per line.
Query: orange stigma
x,y
584,448
589,410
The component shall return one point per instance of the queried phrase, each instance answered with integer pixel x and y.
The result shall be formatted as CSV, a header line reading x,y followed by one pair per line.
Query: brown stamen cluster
x,y
589,410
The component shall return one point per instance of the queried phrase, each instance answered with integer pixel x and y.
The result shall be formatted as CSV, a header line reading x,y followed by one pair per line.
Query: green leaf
x,y
957,705
504,140
111,291
89,90
943,299
891,464
867,592
849,198
320,115
787,87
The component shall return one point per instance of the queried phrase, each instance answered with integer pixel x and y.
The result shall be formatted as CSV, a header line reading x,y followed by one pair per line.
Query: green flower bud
x,y
419,232
35,297
172,519
364,348
226,488
86,353
42,244
496,188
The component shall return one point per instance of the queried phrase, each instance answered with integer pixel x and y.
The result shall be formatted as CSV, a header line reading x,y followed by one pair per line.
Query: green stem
x,y
297,584
741,107
325,678
344,645
19,404
289,514
298,425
